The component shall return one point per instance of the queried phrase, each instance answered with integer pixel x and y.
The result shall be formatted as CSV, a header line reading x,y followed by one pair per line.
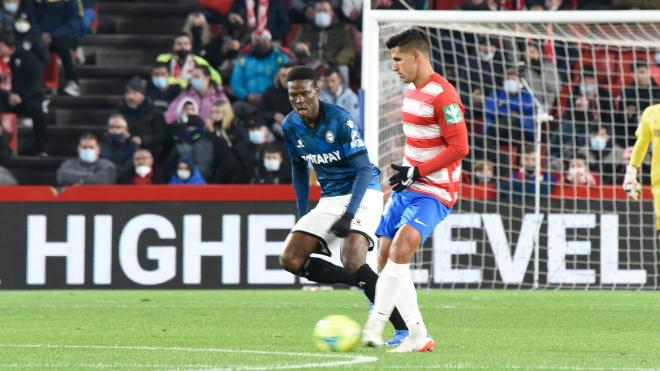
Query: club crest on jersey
x,y
329,136
453,114
300,144
322,158
350,123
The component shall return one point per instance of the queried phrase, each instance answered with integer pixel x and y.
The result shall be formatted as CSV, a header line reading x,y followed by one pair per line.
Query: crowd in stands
x,y
211,110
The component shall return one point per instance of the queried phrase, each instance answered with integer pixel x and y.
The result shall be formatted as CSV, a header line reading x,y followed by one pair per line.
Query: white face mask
x,y
272,164
88,155
183,174
487,56
322,19
598,143
511,86
22,27
143,170
11,7
257,136
657,58
575,171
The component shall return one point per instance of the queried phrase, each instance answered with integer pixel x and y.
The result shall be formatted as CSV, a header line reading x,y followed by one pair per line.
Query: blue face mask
x,y
198,84
587,89
11,7
598,143
159,81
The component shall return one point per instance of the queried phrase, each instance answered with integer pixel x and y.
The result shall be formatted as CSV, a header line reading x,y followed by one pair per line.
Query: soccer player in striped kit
x,y
425,186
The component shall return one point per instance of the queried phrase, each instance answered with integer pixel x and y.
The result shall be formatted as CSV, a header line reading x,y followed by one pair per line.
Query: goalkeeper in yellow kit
x,y
649,129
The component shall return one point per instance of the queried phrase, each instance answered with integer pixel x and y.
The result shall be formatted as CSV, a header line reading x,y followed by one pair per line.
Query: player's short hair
x,y
301,73
411,38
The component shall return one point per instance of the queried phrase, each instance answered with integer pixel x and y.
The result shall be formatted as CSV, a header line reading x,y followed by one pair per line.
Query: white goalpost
x,y
551,214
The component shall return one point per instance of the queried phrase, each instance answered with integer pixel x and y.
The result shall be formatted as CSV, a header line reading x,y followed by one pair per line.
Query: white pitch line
x,y
467,366
346,359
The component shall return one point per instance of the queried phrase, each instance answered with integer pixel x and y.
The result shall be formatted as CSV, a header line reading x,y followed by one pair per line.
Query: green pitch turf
x,y
265,330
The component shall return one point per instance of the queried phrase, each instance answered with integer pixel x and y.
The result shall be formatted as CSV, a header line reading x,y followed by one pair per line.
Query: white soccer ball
x,y
337,333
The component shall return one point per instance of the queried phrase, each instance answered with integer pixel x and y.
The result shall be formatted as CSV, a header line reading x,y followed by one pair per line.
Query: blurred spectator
x,y
636,97
187,173
253,73
481,75
29,40
230,145
397,4
61,26
158,90
600,99
541,75
304,57
275,104
352,11
145,121
603,155
216,11
579,173
90,15
247,16
116,145
88,168
191,142
6,177
198,28
336,92
535,5
330,39
142,170
302,11
185,108
273,169
8,13
260,136
523,181
573,130
26,97
483,173
509,111
5,151
203,91
480,5
222,54
559,5
182,62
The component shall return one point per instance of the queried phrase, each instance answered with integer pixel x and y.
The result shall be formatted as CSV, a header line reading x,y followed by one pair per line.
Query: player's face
x,y
304,98
404,63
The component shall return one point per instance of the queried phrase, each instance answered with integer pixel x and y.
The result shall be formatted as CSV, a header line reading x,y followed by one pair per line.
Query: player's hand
x,y
630,183
404,176
342,227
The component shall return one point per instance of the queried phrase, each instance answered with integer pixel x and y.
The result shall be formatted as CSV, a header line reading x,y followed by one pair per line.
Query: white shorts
x,y
329,209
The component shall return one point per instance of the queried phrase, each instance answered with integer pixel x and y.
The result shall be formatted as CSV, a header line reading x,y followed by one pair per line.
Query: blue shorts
x,y
418,210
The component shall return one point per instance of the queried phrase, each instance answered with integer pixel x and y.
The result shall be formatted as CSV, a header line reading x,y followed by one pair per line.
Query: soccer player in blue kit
x,y
351,203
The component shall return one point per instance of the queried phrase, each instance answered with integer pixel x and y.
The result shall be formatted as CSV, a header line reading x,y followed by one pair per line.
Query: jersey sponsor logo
x,y
300,144
329,137
322,158
356,141
453,114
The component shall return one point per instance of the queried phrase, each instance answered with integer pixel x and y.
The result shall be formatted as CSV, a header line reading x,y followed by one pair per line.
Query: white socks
x,y
396,288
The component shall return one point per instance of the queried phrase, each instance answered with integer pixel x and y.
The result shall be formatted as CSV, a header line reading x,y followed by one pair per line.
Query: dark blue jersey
x,y
329,147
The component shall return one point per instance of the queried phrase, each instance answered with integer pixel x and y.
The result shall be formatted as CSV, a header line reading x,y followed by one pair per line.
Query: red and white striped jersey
x,y
431,113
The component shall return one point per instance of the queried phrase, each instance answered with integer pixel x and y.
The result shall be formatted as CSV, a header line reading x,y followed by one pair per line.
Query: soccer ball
x,y
337,333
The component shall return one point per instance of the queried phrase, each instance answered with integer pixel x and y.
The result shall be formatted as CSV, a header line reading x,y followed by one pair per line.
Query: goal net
x,y
552,102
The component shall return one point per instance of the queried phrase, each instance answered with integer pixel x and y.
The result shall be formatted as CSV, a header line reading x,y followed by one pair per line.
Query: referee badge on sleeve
x,y
453,114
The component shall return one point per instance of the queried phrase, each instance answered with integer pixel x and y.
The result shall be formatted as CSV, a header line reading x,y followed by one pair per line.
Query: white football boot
x,y
410,345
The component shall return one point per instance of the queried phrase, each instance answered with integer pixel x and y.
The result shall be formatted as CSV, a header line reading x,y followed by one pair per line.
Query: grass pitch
x,y
265,330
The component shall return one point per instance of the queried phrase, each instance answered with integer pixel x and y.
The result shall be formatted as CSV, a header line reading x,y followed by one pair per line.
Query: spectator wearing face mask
x,y
29,40
159,90
639,94
198,28
260,136
182,62
88,168
254,73
187,173
8,13
541,75
579,174
303,57
273,169
275,103
483,172
523,181
572,133
191,142
230,146
603,155
145,122
336,92
202,90
247,16
599,98
117,145
141,171
330,40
